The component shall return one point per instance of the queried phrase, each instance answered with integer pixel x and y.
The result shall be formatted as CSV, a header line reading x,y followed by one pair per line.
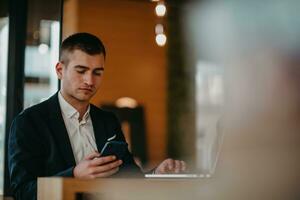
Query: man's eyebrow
x,y
81,67
85,67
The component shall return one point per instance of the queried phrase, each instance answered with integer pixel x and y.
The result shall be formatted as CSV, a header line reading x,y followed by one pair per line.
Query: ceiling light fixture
x,y
160,9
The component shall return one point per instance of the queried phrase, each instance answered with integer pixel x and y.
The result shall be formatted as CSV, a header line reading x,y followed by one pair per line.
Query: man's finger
x,y
162,169
102,160
106,167
183,166
170,163
107,173
177,166
93,155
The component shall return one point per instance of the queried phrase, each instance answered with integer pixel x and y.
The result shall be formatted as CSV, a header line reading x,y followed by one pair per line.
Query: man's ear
x,y
59,68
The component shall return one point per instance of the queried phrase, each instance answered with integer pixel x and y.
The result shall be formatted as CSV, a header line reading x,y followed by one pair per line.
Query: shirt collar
x,y
68,110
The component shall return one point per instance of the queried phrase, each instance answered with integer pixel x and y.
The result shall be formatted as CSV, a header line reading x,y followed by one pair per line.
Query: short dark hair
x,y
85,42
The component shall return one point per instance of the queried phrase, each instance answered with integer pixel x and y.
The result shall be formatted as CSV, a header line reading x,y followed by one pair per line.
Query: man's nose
x,y
88,79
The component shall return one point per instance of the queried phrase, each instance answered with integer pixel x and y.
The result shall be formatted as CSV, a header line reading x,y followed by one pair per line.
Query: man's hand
x,y
94,166
171,166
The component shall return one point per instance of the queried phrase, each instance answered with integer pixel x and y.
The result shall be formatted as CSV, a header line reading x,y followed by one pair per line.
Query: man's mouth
x,y
86,89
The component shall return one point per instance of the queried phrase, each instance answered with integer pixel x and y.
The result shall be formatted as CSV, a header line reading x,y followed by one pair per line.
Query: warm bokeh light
x,y
160,9
43,48
159,28
126,102
161,39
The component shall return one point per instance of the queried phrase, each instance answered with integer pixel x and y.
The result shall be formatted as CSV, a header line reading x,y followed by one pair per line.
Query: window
x,y
41,55
3,84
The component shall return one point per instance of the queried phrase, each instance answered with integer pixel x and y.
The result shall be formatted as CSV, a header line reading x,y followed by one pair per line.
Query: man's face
x,y
81,77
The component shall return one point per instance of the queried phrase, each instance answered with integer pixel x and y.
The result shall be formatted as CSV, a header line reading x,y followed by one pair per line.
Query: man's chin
x,y
84,97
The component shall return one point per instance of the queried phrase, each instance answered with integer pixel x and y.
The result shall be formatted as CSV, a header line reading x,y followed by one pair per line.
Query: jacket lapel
x,y
98,126
59,131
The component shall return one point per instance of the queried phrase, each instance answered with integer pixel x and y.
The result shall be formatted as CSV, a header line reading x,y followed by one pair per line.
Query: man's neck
x,y
80,106
82,110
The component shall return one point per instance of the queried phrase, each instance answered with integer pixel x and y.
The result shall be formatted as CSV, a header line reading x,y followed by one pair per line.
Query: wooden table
x,y
119,189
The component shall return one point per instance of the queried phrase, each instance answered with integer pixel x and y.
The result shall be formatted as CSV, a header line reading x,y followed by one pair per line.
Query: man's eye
x,y
97,73
80,71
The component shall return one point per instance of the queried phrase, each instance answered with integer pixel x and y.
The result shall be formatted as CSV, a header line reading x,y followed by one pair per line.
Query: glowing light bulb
x,y
160,9
161,39
43,48
126,102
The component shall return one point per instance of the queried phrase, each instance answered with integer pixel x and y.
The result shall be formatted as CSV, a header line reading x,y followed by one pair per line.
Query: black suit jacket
x,y
39,145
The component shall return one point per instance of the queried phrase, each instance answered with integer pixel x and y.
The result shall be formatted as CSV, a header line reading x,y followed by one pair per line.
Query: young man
x,y
63,135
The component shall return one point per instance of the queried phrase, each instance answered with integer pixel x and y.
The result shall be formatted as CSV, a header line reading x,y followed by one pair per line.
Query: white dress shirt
x,y
81,133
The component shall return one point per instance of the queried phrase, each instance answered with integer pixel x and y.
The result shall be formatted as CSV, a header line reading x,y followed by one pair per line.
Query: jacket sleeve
x,y
26,157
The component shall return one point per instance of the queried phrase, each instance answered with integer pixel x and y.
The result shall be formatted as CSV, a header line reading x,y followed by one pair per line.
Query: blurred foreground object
x,y
258,45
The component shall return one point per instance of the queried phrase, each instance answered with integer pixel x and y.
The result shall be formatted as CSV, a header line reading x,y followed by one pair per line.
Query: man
x,y
63,135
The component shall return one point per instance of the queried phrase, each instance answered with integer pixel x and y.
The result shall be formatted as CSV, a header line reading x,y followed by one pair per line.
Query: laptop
x,y
177,176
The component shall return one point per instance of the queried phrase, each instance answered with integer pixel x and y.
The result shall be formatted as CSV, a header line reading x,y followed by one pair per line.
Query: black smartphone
x,y
116,148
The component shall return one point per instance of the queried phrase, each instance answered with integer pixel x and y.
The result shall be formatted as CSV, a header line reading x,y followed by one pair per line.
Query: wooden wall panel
x,y
135,65
70,17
